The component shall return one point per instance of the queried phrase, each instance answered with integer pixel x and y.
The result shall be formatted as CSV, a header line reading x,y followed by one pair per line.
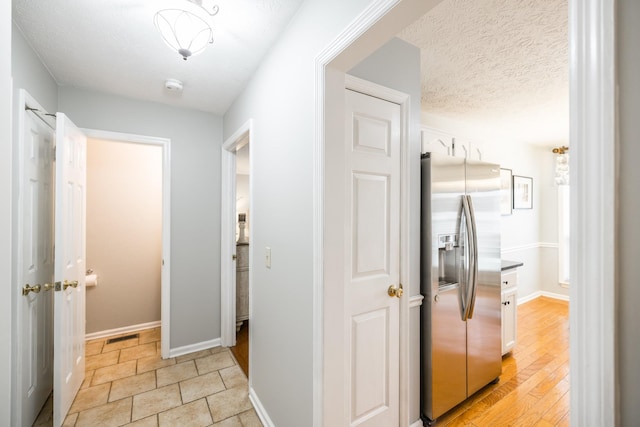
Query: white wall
x,y
5,212
195,198
628,269
124,233
282,210
529,236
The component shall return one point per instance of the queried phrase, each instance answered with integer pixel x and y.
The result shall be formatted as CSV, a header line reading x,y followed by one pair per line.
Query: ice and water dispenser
x,y
449,253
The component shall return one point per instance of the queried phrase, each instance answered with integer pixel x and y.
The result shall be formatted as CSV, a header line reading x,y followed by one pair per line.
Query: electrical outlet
x,y
267,257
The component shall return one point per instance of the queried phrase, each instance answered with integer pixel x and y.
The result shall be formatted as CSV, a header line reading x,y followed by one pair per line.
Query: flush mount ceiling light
x,y
184,31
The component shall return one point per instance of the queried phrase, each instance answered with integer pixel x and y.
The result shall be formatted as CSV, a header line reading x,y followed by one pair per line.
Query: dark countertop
x,y
507,265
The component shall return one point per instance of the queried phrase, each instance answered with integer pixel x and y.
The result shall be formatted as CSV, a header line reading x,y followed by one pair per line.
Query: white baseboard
x,y
554,295
542,294
257,405
191,348
418,423
123,330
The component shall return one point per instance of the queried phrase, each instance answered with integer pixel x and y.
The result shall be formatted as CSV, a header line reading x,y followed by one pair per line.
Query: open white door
x,y
69,305
34,361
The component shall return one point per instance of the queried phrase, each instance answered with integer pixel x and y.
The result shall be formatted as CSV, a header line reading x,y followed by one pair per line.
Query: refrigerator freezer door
x,y
444,366
484,359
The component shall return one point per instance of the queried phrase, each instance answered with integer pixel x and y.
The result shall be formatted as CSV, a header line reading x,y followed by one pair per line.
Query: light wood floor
x,y
241,349
534,385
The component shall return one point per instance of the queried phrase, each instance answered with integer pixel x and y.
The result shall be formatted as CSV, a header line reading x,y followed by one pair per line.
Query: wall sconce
x,y
562,165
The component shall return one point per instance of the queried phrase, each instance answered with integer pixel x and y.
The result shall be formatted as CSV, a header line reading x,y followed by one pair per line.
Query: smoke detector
x,y
173,85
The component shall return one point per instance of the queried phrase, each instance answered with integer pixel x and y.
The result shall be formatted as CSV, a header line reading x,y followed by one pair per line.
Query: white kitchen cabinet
x,y
467,149
435,141
509,309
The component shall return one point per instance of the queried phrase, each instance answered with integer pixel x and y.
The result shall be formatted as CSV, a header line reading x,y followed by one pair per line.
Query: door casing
x,y
165,277
334,255
228,235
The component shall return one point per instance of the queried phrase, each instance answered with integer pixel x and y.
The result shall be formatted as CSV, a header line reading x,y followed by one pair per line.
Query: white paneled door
x,y
35,267
70,269
372,129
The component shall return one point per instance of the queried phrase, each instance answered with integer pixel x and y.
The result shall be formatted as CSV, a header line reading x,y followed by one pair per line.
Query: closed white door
x,y
373,213
35,268
70,269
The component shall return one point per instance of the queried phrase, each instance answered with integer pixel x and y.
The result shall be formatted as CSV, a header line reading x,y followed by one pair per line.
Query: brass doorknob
x,y
67,283
48,286
395,292
35,289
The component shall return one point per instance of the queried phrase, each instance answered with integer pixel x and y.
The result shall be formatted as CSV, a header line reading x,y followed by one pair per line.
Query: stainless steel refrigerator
x,y
460,281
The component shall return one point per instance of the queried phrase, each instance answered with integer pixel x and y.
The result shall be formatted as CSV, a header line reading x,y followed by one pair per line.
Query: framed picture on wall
x,y
506,192
522,192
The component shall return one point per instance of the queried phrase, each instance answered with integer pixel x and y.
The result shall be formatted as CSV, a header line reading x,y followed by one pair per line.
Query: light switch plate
x,y
267,257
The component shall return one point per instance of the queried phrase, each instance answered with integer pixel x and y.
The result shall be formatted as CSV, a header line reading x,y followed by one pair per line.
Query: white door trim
x,y
593,206
165,278
404,100
228,234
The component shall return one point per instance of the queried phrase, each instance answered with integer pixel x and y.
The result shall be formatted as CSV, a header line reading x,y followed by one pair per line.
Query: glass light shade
x,y
562,169
184,32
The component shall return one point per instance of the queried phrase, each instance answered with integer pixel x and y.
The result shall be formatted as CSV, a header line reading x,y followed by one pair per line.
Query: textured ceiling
x,y
114,47
501,63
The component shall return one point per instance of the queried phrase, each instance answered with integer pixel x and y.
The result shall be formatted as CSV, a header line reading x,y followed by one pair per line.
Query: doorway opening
x,y
243,208
129,175
236,250
124,237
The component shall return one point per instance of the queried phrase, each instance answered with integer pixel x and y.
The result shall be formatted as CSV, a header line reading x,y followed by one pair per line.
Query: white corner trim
x,y
418,423
259,407
191,348
592,67
123,330
416,301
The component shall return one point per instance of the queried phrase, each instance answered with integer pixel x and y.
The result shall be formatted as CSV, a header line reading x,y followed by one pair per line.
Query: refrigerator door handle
x,y
471,301
470,261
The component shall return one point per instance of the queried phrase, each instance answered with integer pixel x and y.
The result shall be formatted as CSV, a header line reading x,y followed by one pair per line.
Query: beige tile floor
x,y
127,383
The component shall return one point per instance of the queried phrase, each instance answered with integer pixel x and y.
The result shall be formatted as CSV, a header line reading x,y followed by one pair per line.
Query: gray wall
x,y
30,74
628,34
280,98
5,212
196,138
396,65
